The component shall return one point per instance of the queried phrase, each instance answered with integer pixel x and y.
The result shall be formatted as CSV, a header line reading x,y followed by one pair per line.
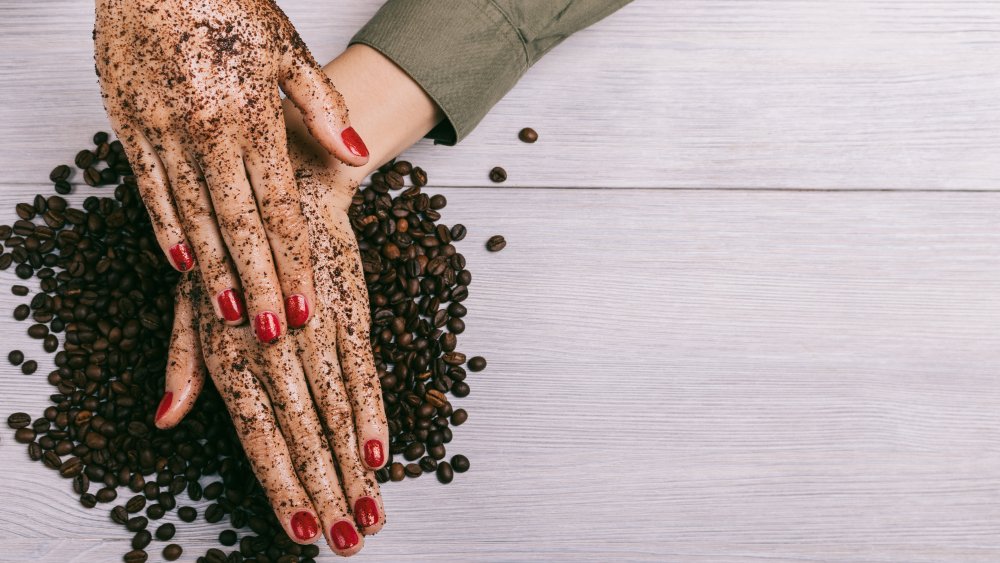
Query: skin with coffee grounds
x,y
296,400
192,89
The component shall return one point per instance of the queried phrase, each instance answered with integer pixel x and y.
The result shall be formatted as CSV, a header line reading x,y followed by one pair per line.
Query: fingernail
x,y
297,310
344,535
165,402
182,256
374,454
231,305
267,327
304,525
366,512
354,142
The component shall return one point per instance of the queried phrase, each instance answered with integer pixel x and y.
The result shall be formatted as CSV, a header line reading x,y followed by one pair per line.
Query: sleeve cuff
x,y
465,71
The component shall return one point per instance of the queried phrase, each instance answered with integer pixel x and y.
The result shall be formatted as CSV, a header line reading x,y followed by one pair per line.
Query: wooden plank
x,y
692,375
863,94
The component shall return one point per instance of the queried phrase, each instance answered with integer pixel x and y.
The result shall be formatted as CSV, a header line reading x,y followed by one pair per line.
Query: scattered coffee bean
x,y
141,539
29,367
135,504
227,537
477,363
165,532
187,513
172,552
459,417
445,473
413,470
460,463
19,290
498,175
418,177
136,556
18,420
496,243
527,135
21,312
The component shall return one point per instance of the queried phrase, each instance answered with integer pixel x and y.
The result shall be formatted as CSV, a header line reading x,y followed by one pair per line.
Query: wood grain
x,y
858,94
692,375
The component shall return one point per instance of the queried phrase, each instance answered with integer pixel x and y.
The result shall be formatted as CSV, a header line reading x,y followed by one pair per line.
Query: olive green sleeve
x,y
466,54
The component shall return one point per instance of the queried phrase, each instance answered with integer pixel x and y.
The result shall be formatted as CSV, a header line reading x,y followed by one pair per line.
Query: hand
x,y
192,90
267,391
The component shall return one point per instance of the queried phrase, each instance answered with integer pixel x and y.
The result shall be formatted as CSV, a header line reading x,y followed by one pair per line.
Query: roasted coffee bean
x,y
21,312
165,532
135,504
137,523
25,211
19,290
35,454
214,513
107,494
397,472
418,177
477,363
402,167
413,470
428,464
50,344
92,176
71,467
187,513
438,201
63,187
527,135
496,243
173,552
227,537
24,271
29,367
155,511
100,138
60,173
141,539
445,473
24,435
38,331
136,556
498,174
119,515
18,419
460,463
88,500
459,417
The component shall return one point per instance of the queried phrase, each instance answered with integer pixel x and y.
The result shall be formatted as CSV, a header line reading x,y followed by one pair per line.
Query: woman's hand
x,y
192,90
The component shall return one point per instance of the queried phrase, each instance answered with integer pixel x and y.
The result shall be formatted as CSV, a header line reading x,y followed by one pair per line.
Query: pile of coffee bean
x,y
106,288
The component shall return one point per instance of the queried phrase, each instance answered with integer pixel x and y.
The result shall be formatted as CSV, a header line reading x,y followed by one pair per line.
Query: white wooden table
x,y
748,310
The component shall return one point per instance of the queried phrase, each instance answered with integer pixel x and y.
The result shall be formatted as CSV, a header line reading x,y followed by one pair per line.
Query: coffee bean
x,y
119,515
459,417
84,159
136,556
24,271
527,135
172,552
135,504
445,473
460,463
88,500
19,290
214,513
18,420
460,389
397,472
21,312
92,176
227,537
107,494
418,177
477,363
414,451
35,454
141,539
100,138
402,167
438,201
51,343
165,532
428,464
187,513
155,511
24,435
496,243
413,470
29,367
38,331
498,175
59,173
63,187
137,523
71,467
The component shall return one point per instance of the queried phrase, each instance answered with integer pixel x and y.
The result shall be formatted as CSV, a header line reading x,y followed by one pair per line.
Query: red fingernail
x,y
304,525
231,305
374,454
297,310
366,512
182,256
354,142
267,327
344,535
165,402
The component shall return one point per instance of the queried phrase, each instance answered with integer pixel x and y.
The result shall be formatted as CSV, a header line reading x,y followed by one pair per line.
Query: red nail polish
x,y
267,327
182,256
374,454
344,535
231,305
297,310
366,512
354,142
304,525
165,402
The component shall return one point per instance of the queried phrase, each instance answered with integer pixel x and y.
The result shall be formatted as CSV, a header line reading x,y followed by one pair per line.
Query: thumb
x,y
323,110
186,367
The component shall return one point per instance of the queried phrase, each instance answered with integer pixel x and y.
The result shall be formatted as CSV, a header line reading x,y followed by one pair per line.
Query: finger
x,y
194,203
277,193
154,187
245,237
185,368
324,374
253,417
285,382
323,108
